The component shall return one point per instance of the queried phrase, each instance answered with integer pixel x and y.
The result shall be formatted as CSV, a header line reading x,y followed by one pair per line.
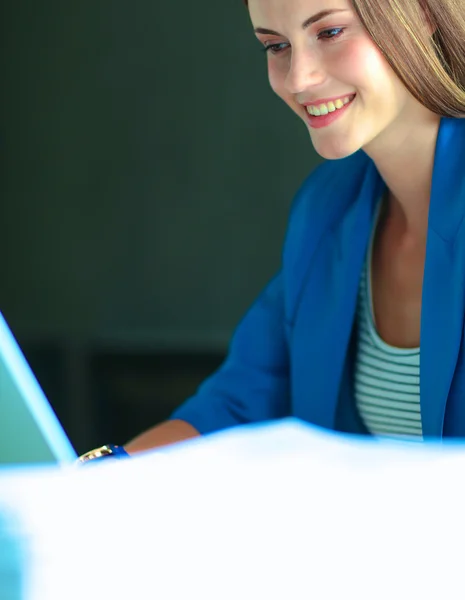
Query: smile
x,y
320,110
323,114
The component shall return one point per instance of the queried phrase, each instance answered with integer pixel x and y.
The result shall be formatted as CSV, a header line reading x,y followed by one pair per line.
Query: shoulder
x,y
326,193
452,135
321,203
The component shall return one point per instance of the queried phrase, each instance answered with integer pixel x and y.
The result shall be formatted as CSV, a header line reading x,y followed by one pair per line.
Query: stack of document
x,y
283,511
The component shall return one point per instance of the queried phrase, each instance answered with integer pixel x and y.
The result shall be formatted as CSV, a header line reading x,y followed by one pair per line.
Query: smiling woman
x,y
429,60
373,267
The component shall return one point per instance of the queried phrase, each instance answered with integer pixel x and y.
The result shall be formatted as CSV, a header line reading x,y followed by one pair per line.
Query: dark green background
x,y
147,174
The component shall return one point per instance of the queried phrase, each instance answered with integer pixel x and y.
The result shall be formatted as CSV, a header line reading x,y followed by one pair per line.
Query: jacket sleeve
x,y
253,382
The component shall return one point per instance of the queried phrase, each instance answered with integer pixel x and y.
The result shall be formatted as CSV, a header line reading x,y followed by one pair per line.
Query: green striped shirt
x,y
387,379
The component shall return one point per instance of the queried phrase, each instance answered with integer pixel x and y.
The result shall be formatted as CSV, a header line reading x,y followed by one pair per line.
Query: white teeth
x,y
324,109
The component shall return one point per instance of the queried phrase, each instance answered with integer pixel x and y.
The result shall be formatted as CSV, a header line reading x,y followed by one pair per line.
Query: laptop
x,y
30,432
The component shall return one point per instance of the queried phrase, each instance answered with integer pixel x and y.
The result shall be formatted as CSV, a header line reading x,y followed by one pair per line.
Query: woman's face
x,y
325,66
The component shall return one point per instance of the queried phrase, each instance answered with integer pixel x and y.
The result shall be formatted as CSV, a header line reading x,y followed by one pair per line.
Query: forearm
x,y
164,434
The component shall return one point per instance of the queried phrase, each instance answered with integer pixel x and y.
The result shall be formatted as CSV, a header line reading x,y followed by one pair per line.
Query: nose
x,y
305,71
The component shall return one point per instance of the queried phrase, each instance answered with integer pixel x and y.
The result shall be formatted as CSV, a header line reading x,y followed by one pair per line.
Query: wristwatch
x,y
107,451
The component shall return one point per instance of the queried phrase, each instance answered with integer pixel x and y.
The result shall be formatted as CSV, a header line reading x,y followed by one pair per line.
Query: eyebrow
x,y
313,19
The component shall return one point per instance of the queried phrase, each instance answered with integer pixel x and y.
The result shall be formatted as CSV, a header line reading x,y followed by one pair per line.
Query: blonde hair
x,y
424,43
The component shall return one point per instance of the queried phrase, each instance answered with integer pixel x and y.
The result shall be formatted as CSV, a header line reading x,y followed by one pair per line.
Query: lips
x,y
323,118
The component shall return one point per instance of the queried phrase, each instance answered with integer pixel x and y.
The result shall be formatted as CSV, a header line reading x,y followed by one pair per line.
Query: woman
x,y
374,258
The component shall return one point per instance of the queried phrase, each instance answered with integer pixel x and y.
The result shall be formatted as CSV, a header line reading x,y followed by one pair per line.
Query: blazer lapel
x,y
443,299
325,316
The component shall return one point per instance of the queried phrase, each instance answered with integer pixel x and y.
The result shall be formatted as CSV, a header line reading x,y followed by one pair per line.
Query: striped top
x,y
387,379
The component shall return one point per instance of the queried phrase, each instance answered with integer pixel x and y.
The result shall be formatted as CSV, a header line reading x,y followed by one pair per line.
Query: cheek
x,y
348,63
277,78
362,64
277,73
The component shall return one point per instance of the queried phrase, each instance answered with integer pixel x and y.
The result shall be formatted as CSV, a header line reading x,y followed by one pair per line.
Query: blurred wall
x,y
147,172
147,169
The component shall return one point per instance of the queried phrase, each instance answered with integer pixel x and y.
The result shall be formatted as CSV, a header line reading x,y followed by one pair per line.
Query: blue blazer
x,y
293,352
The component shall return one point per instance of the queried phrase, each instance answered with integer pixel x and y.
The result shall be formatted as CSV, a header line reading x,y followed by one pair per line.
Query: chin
x,y
333,149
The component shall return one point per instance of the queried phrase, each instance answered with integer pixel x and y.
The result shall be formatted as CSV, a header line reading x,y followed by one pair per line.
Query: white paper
x,y
280,511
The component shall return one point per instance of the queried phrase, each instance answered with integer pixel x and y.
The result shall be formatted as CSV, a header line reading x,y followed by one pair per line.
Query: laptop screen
x,y
29,429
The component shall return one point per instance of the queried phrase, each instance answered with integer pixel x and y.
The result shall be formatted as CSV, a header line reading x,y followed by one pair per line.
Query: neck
x,y
404,159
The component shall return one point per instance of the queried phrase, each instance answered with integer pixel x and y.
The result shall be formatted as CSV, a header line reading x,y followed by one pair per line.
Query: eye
x,y
275,48
330,34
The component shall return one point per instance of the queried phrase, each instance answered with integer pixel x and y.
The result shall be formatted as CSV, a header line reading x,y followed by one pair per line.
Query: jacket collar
x,y
443,299
325,314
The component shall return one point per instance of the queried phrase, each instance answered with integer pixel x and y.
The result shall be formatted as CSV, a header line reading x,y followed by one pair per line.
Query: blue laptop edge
x,y
33,397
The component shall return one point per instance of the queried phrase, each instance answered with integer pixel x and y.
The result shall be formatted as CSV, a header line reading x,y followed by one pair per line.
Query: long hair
x,y
424,43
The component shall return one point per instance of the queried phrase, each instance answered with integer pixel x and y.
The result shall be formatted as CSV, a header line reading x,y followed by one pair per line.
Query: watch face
x,y
104,451
97,453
